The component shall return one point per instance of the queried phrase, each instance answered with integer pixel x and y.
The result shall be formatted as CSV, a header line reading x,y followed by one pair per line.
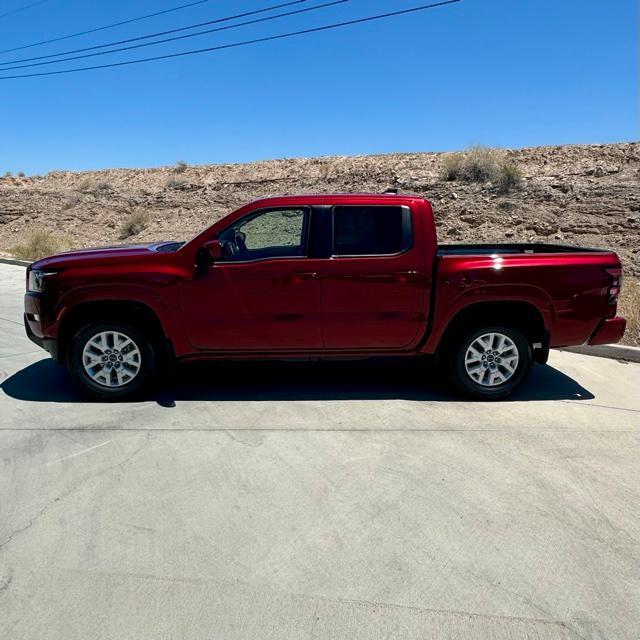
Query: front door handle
x,y
410,277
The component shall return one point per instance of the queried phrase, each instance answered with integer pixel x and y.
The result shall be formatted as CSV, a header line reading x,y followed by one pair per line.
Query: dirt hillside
x,y
582,194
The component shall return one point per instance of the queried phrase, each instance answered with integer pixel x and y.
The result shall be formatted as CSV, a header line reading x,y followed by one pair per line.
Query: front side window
x,y
277,233
369,231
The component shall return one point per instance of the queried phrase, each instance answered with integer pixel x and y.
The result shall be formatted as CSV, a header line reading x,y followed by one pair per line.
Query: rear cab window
x,y
371,230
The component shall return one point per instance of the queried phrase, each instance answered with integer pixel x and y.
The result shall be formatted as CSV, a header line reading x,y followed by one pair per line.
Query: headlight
x,y
36,283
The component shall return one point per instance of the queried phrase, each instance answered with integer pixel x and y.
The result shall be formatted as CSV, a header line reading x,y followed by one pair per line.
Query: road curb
x,y
614,351
18,263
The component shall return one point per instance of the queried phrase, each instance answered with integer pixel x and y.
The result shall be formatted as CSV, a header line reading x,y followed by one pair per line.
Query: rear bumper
x,y
608,331
48,344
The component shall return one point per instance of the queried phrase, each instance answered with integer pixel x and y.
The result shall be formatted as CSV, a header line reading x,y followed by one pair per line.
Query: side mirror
x,y
214,249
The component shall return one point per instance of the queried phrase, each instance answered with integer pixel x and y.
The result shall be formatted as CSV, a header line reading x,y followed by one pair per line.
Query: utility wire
x,y
239,44
160,33
190,35
107,26
27,6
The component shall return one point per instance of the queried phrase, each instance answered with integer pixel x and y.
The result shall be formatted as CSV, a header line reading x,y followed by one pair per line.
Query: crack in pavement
x,y
71,491
319,599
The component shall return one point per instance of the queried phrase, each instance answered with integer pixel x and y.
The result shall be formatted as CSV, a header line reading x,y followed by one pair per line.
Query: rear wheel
x,y
488,363
111,361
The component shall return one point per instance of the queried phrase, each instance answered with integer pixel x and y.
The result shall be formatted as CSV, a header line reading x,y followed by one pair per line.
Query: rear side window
x,y
370,231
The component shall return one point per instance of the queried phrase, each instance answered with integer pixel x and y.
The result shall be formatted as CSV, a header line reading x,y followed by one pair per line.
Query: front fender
x,y
164,304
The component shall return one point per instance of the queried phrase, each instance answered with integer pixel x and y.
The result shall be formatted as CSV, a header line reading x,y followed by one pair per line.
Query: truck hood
x,y
103,255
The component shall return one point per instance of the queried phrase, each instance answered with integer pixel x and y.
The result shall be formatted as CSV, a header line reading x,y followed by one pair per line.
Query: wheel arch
x,y
134,312
517,314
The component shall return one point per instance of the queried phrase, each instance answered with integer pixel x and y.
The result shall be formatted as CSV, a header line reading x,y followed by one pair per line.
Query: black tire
x,y
465,384
148,362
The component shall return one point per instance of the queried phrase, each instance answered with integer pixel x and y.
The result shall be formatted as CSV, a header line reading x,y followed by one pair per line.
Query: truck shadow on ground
x,y
399,379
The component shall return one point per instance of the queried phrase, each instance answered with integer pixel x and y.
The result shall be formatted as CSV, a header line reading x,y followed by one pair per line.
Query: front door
x,y
264,294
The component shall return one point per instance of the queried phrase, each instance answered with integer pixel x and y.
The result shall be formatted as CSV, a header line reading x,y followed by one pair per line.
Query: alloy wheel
x,y
111,359
491,359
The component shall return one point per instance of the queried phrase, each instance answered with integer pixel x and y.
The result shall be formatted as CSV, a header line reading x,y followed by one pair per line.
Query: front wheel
x,y
111,361
488,363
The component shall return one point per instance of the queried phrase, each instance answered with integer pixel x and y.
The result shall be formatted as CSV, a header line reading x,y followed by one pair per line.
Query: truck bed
x,y
516,248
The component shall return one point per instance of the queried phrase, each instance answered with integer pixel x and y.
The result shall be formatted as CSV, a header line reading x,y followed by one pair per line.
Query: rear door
x,y
264,295
375,285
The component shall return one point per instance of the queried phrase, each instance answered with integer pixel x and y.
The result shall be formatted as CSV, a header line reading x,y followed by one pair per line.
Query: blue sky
x,y
497,72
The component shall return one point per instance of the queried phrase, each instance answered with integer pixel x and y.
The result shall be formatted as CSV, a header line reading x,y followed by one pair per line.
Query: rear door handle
x,y
305,275
296,278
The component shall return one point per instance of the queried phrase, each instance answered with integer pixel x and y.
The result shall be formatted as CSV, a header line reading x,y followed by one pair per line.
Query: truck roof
x,y
341,198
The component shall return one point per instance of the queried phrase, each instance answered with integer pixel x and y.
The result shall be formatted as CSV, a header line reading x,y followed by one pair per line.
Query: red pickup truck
x,y
329,276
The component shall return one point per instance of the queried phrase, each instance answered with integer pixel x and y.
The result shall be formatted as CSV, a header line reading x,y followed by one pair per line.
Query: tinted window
x,y
270,234
359,231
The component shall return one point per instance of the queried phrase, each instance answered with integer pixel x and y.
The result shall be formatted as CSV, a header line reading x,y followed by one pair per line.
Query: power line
x,y
238,44
153,35
28,6
107,26
190,35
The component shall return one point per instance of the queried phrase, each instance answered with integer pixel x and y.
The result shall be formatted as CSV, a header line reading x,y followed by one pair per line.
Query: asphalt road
x,y
353,500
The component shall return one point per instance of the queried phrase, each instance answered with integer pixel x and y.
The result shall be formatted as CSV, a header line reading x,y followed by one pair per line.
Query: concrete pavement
x,y
351,500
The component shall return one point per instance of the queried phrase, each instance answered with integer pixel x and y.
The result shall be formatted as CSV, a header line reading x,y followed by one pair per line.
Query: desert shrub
x,y
102,185
136,222
629,308
481,164
451,166
324,168
7,174
509,177
21,174
181,166
174,183
39,245
477,164
85,185
73,200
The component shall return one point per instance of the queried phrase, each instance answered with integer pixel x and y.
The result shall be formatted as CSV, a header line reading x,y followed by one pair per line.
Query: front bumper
x,y
609,331
48,344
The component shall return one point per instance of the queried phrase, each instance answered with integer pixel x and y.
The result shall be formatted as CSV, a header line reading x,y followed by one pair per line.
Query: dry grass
x,y
451,163
102,186
481,164
137,222
72,201
173,182
87,185
509,178
324,168
39,245
629,308
477,164
181,166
